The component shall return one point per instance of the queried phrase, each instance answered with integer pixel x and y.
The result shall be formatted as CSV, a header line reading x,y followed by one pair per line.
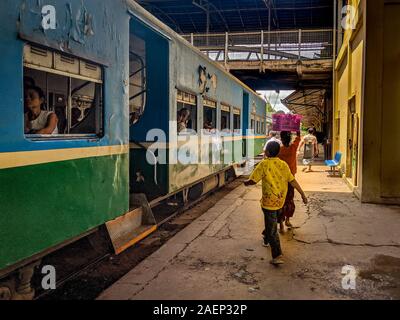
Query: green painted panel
x,y
44,205
238,151
153,188
258,146
227,154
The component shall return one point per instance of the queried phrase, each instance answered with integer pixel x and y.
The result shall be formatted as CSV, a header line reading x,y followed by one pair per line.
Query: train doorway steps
x,y
132,227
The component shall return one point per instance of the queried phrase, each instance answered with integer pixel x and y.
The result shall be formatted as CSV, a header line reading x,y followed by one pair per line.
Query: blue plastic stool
x,y
333,164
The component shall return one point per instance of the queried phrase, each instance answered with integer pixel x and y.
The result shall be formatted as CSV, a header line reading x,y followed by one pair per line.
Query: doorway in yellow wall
x,y
352,143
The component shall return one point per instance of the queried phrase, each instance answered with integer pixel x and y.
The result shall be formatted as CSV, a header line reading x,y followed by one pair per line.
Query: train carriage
x,y
221,109
116,79
59,187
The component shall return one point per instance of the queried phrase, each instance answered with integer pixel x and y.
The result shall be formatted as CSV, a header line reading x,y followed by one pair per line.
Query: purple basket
x,y
286,122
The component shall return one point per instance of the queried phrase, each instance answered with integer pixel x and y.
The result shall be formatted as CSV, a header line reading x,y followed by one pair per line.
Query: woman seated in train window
x,y
38,121
28,83
183,118
208,125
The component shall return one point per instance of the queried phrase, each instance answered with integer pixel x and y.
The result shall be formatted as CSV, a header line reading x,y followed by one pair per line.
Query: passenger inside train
x,y
208,125
209,114
65,95
183,119
37,120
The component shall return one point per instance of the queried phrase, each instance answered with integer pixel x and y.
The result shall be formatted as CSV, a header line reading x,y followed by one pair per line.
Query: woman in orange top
x,y
288,153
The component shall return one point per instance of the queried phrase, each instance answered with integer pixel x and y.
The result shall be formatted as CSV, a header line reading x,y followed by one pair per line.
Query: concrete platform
x,y
220,255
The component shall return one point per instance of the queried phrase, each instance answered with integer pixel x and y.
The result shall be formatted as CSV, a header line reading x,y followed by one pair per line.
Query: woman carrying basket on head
x,y
288,153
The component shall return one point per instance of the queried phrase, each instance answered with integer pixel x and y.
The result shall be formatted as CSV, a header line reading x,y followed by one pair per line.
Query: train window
x,y
137,77
68,92
209,114
236,119
225,117
258,127
252,123
186,111
82,118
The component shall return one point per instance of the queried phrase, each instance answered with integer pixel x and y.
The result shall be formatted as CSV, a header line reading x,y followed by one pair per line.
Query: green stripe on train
x,y
258,146
44,205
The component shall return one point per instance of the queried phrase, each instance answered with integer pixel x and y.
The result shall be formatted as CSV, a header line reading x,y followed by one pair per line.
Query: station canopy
x,y
190,16
310,104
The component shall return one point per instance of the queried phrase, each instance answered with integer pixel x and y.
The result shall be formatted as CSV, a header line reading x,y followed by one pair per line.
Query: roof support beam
x,y
181,13
205,5
177,28
303,96
271,7
306,107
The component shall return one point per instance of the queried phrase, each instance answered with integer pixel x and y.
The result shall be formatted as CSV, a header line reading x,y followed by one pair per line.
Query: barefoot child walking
x,y
275,175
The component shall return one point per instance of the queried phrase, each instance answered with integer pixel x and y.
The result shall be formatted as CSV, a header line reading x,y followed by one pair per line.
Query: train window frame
x,y
189,101
226,112
253,122
262,126
48,62
209,105
138,87
237,115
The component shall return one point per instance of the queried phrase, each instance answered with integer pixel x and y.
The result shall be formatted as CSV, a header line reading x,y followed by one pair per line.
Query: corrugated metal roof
x,y
186,16
309,103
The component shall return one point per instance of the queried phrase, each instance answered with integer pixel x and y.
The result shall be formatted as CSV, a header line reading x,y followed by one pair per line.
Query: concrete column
x,y
300,35
226,49
262,51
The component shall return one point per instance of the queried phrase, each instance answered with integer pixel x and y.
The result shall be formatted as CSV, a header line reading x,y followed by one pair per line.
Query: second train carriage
x,y
111,73
227,120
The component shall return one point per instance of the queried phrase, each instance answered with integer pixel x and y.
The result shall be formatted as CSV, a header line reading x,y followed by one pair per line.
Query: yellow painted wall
x,y
348,88
357,47
368,70
341,108
356,91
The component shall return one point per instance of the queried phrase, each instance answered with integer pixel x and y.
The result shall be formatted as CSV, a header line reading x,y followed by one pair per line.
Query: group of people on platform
x,y
277,172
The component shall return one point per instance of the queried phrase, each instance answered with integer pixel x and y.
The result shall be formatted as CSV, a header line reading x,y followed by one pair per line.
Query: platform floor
x,y
220,255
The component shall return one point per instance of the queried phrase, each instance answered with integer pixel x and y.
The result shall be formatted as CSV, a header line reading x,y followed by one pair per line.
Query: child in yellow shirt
x,y
275,175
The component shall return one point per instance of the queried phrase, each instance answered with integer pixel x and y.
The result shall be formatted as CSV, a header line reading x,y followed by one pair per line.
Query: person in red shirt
x,y
288,153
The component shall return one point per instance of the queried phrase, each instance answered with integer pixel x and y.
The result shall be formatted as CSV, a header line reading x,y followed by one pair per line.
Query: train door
x,y
148,110
245,125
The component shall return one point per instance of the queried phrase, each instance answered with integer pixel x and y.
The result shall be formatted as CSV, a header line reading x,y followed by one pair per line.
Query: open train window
x,y
225,117
186,111
209,114
236,119
62,94
137,78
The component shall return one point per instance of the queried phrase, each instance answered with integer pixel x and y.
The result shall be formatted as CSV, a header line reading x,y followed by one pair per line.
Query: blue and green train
x,y
118,80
